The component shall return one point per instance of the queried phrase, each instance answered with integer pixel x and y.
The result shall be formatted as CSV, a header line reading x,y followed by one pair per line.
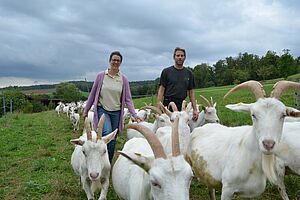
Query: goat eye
x,y
84,153
253,116
155,184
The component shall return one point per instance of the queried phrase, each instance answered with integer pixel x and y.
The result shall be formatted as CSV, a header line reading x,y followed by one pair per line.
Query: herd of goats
x,y
160,159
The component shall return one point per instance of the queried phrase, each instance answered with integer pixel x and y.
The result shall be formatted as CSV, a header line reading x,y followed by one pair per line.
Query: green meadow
x,y
35,151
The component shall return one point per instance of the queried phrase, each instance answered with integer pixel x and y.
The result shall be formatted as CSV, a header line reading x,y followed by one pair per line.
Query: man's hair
x,y
117,53
178,49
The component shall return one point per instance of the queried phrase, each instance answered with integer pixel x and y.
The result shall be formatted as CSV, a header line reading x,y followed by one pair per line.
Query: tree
x,y
287,65
269,66
16,96
67,92
203,76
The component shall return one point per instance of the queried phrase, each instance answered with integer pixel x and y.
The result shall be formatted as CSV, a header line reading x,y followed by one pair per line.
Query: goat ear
x,y
215,104
110,136
240,107
77,142
292,112
144,162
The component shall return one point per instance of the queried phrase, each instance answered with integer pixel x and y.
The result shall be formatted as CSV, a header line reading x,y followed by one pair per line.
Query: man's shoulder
x,y
170,68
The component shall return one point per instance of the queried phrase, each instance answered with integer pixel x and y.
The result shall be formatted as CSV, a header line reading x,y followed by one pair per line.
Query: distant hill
x,y
83,86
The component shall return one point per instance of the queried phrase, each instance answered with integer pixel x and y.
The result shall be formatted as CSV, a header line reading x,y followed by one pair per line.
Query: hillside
x,y
35,158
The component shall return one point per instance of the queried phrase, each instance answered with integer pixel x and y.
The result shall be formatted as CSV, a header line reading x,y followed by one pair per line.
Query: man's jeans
x,y
112,119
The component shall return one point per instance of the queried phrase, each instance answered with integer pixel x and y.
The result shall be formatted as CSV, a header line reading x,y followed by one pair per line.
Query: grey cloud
x,y
67,40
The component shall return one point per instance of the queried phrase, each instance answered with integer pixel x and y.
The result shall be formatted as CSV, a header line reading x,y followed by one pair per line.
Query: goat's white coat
x,y
131,182
93,165
233,156
164,134
207,115
160,121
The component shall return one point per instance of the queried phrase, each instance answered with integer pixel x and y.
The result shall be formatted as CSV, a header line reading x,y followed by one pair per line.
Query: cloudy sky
x,y
50,41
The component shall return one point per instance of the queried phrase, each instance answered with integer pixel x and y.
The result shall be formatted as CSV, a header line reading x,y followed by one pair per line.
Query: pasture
x,y
35,152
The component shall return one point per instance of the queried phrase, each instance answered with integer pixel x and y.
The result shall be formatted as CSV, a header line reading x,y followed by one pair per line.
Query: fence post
x,y
297,97
4,111
11,108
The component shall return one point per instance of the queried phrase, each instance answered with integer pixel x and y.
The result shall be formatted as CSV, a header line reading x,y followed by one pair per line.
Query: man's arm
x,y
191,94
160,96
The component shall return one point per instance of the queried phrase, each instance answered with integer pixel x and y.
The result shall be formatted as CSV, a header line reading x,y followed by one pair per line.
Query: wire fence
x,y
6,107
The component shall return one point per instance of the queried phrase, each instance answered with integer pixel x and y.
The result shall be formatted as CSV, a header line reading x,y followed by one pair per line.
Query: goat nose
x,y
268,144
94,175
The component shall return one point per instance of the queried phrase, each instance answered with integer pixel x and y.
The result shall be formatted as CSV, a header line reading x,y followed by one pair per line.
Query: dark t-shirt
x,y
176,83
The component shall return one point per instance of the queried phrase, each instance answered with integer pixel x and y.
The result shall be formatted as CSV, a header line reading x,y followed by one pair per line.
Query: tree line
x,y
228,71
234,70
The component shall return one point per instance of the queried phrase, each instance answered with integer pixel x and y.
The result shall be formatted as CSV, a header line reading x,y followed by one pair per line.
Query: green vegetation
x,y
68,92
36,152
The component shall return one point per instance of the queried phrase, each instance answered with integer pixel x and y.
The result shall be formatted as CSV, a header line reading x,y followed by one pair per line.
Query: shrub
x,y
28,108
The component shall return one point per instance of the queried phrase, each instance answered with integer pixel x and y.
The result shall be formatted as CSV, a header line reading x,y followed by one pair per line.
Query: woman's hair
x,y
117,53
178,49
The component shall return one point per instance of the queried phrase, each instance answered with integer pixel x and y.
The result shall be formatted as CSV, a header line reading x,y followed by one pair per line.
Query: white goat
x,y
138,176
75,119
59,108
287,155
237,159
161,120
90,160
164,134
207,115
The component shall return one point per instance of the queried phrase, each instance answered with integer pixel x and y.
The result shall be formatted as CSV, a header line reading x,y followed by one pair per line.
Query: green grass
x,y
35,152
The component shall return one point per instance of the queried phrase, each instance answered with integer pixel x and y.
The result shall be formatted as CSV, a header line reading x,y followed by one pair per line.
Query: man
x,y
176,82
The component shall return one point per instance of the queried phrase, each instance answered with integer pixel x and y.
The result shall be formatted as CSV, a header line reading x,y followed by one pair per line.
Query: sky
x,y
47,42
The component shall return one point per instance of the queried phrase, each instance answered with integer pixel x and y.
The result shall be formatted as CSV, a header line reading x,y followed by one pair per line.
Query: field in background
x,y
35,152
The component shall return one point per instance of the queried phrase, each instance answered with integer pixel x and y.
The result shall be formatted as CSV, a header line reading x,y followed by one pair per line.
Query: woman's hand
x,y
138,119
84,115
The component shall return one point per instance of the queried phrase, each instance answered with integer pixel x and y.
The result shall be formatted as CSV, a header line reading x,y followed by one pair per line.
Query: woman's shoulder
x,y
124,77
100,74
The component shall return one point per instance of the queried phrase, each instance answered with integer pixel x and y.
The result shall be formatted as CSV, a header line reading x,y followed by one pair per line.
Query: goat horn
x,y
165,110
153,108
254,86
183,106
205,99
100,126
212,102
175,138
88,129
173,106
281,86
152,139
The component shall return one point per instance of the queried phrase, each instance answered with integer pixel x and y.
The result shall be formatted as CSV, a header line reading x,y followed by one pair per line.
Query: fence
x,y
5,108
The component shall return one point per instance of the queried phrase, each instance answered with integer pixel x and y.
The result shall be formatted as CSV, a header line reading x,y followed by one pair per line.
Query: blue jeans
x,y
112,119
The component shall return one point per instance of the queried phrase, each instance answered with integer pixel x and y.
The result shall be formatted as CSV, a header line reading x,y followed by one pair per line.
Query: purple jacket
x,y
94,99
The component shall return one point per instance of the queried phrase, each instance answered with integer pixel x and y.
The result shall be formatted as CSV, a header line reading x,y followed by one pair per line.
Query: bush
x,y
38,106
28,108
51,106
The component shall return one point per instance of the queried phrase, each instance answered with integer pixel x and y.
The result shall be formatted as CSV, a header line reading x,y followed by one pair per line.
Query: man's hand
x,y
195,115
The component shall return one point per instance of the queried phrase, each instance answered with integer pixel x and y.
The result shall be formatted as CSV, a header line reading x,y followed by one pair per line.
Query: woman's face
x,y
115,62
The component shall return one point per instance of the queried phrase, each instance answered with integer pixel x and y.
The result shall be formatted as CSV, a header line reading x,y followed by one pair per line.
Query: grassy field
x,y
35,152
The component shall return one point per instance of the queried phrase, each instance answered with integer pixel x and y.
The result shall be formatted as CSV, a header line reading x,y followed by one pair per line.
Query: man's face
x,y
179,58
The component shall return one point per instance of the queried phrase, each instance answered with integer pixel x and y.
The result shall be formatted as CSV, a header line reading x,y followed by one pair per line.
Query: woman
x,y
109,95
